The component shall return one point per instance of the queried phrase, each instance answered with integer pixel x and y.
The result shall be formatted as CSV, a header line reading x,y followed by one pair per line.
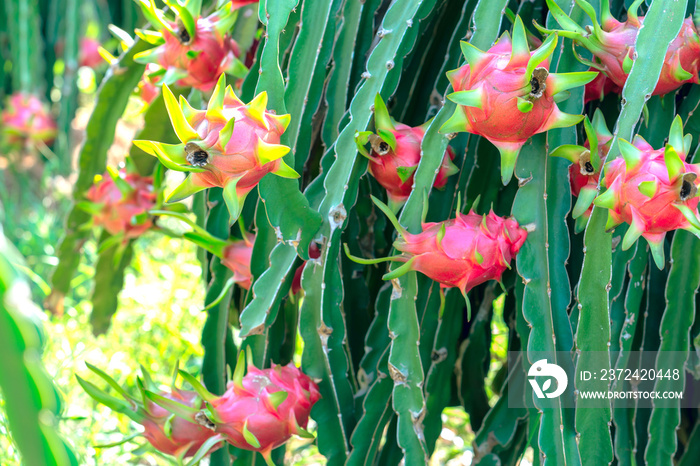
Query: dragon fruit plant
x,y
612,44
192,49
119,202
653,191
396,153
229,145
180,436
507,94
586,163
27,120
346,102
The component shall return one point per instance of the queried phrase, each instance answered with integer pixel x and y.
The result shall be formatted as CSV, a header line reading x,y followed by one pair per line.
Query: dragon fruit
x,y
654,191
599,88
179,435
507,94
148,87
263,409
236,256
612,45
230,145
194,50
120,201
90,53
584,171
395,155
26,119
459,253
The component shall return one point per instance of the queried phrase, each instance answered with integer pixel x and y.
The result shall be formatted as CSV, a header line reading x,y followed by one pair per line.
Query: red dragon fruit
x,y
26,119
236,256
263,409
148,87
90,53
508,95
119,202
179,435
459,253
230,145
395,155
612,45
653,191
584,171
599,88
193,50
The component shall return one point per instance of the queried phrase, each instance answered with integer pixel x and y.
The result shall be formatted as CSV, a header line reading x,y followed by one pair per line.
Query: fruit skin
x,y
507,94
175,429
584,171
90,53
599,88
255,414
654,191
193,54
230,145
465,251
612,44
395,154
26,119
184,436
117,202
148,88
236,256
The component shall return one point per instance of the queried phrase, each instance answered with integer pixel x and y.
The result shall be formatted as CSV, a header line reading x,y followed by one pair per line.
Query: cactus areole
x,y
229,145
507,94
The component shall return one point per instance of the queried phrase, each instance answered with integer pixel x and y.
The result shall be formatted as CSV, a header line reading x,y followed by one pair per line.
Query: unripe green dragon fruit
x,y
654,191
229,145
612,44
119,202
395,154
507,94
180,435
584,172
194,50
459,253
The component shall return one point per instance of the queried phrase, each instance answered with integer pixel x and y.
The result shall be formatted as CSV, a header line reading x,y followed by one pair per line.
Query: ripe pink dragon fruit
x,y
26,119
396,153
149,86
90,53
612,44
508,95
230,145
120,203
462,252
193,50
599,88
653,191
584,171
236,256
263,409
171,420
174,435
